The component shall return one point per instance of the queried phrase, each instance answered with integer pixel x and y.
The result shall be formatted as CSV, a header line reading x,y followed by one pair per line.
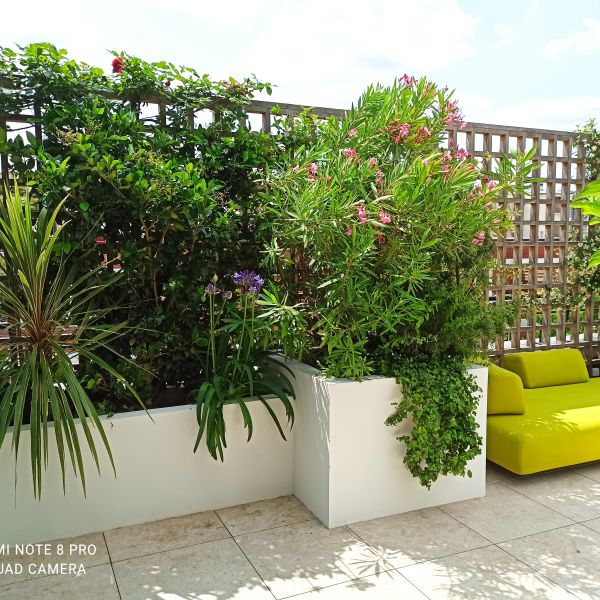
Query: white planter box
x,y
158,475
348,465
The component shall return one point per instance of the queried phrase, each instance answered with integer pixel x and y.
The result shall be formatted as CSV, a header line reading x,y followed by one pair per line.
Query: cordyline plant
x,y
51,319
383,231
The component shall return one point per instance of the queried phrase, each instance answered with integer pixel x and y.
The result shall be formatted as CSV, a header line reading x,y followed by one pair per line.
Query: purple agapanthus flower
x,y
249,281
211,289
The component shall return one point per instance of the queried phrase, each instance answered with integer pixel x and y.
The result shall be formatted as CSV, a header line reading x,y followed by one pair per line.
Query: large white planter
x,y
348,465
158,475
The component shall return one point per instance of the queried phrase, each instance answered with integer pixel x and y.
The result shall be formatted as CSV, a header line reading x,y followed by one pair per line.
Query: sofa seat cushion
x,y
560,427
548,367
505,392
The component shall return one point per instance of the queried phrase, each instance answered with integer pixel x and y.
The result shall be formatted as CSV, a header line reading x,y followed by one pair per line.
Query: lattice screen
x,y
532,261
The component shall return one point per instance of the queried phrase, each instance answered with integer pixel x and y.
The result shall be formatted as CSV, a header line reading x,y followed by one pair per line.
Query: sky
x,y
530,63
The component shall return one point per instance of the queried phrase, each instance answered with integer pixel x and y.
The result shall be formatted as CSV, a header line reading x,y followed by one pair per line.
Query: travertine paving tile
x,y
569,556
592,470
298,558
213,570
417,536
483,574
168,534
97,584
87,550
389,585
504,514
266,514
566,492
496,474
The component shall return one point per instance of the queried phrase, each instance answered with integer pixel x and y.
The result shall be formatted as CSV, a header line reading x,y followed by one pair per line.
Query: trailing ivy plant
x,y
441,399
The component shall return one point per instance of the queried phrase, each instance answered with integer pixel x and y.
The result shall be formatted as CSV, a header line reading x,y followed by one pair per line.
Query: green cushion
x,y
505,392
560,427
547,368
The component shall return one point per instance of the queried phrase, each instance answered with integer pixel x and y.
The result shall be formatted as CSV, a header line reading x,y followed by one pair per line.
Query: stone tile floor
x,y
532,537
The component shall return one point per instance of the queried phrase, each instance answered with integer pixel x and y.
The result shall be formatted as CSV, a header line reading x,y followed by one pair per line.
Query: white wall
x,y
348,464
158,475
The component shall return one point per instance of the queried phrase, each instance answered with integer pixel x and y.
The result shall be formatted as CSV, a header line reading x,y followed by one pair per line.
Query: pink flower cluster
x,y
479,239
403,132
372,162
350,153
384,217
422,134
352,133
462,154
407,80
379,179
361,213
455,117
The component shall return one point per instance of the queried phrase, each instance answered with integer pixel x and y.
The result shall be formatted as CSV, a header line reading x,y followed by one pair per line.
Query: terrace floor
x,y
529,538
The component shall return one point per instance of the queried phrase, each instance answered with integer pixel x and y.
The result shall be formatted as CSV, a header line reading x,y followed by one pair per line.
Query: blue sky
x,y
529,63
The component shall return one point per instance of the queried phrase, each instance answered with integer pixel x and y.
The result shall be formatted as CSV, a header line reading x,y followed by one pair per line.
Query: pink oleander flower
x,y
328,178
425,162
296,169
349,231
379,179
475,241
352,133
461,154
384,217
313,168
445,168
361,213
446,155
350,153
407,80
372,162
422,134
404,130
481,236
491,185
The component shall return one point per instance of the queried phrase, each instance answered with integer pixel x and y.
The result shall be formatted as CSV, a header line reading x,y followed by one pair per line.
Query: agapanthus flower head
x,y
118,64
249,281
211,289
352,133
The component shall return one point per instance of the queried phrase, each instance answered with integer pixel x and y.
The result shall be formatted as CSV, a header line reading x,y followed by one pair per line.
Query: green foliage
x,y
440,398
589,137
588,200
168,198
50,316
239,364
383,235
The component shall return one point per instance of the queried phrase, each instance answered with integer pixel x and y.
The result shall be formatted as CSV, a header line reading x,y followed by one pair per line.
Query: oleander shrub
x,y
383,232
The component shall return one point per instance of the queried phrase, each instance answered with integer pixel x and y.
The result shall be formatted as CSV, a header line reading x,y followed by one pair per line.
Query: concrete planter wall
x,y
348,465
158,475
341,460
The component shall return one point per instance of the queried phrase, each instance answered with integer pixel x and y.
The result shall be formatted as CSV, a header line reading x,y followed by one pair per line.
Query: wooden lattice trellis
x,y
532,261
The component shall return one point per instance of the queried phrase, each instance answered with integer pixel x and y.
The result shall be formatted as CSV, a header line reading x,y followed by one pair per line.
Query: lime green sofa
x,y
543,412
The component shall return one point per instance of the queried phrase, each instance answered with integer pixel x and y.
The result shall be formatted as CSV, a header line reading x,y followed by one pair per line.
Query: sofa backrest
x,y
547,368
505,392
